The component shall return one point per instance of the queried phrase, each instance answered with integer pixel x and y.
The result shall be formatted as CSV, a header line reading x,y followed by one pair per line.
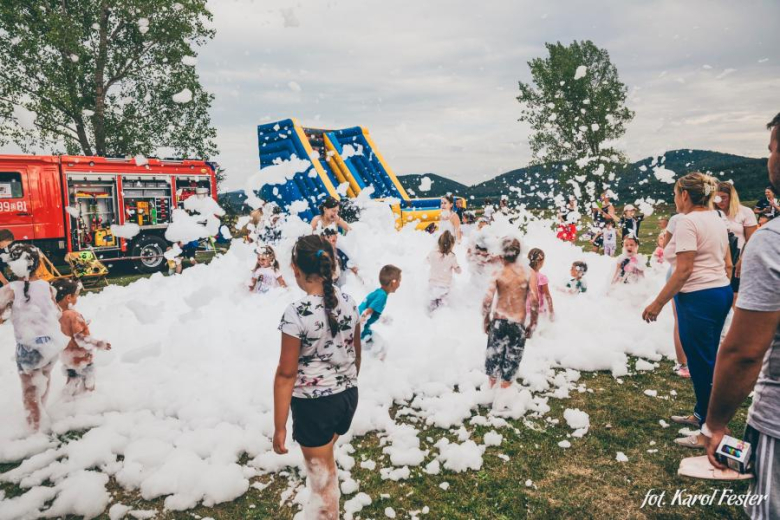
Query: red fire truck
x,y
68,203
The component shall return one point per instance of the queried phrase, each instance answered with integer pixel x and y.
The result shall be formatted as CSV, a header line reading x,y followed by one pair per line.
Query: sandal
x,y
695,441
689,420
700,467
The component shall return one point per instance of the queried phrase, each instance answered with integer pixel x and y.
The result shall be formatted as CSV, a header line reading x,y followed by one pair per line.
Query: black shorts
x,y
188,252
316,421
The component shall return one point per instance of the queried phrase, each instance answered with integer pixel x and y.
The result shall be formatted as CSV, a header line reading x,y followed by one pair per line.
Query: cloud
x,y
435,82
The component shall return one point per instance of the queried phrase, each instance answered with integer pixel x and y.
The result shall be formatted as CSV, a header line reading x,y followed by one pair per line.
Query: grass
x,y
584,481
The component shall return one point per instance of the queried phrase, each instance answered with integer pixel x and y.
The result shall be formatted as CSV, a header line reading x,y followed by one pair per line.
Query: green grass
x,y
584,481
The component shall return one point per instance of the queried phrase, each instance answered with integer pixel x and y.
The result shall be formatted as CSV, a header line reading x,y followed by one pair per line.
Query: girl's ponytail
x,y
314,255
330,300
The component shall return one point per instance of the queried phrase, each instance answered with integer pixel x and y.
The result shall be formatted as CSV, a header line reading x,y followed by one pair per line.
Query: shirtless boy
x,y
511,286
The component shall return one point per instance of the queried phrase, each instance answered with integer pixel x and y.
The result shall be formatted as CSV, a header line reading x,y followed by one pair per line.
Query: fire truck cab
x,y
68,203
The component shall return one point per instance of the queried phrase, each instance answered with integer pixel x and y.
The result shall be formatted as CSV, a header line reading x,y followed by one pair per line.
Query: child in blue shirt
x,y
374,305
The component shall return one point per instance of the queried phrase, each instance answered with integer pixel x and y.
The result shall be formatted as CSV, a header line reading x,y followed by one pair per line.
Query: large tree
x,y
104,77
576,107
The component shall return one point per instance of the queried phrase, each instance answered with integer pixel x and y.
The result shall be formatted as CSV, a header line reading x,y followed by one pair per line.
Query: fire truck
x,y
66,203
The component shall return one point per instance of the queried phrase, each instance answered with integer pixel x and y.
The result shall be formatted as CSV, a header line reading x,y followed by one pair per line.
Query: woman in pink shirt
x,y
740,221
700,285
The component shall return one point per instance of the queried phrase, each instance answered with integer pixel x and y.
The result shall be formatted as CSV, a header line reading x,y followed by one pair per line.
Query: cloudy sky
x,y
435,81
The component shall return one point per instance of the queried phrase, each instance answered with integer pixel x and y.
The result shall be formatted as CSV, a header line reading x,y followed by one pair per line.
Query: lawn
x,y
528,475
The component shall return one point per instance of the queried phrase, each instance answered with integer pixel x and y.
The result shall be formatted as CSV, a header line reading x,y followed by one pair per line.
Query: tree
x,y
104,77
576,106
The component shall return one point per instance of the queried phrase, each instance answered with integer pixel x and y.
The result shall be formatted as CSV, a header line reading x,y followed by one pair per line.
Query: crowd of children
x,y
322,333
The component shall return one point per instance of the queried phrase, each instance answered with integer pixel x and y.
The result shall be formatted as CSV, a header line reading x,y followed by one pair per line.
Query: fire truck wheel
x,y
149,250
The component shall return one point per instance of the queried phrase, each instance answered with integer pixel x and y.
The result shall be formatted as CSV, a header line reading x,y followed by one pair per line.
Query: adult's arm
x,y
729,263
749,230
680,275
736,369
667,238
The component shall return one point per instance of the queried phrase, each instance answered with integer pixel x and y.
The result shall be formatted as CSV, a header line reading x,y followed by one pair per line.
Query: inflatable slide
x,y
344,163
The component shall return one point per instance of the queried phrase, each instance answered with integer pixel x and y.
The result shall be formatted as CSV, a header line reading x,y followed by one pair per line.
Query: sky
x,y
435,82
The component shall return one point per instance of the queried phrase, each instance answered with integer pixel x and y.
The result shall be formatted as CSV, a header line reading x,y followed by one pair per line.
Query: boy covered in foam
x,y
577,284
510,289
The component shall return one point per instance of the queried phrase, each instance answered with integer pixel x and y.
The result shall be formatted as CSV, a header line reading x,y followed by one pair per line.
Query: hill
x,y
439,185
532,185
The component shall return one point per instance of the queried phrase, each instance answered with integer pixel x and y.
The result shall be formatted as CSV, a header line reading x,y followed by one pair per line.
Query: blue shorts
x,y
29,358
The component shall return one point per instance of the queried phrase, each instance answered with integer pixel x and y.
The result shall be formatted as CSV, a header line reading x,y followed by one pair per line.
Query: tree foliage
x,y
98,77
574,121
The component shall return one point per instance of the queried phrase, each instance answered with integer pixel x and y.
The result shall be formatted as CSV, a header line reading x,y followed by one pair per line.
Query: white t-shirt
x,y
672,224
442,267
445,224
326,364
705,233
267,279
610,237
37,318
737,224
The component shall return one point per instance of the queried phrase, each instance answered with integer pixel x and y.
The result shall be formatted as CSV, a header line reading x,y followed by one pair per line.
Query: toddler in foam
x,y
78,355
266,274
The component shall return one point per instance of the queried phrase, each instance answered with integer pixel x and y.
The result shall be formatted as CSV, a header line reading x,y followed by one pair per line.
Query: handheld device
x,y
734,453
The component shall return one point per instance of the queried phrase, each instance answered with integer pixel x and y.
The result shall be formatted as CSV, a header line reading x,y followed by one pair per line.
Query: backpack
x,y
733,241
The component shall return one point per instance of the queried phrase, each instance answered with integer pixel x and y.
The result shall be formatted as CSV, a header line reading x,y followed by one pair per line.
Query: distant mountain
x,y
439,185
532,185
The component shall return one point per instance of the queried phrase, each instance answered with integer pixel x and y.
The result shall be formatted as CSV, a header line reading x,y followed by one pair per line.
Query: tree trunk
x,y
98,120
83,139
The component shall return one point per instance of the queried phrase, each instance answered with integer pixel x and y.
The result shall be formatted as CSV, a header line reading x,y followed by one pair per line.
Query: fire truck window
x,y
10,185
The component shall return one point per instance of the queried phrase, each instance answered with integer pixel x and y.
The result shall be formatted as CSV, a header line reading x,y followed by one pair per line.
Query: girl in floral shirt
x,y
317,372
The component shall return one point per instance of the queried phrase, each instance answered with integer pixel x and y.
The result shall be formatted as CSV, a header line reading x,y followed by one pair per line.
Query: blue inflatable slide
x,y
343,164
